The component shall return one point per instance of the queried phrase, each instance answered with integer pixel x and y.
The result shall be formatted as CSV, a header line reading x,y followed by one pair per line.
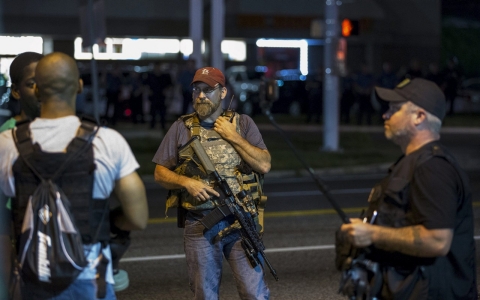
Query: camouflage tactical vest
x,y
226,161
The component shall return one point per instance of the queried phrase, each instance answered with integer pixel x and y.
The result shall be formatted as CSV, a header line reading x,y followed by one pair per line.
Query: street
x,y
299,238
137,67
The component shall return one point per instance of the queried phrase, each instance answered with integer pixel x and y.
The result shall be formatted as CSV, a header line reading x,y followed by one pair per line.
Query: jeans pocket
x,y
193,228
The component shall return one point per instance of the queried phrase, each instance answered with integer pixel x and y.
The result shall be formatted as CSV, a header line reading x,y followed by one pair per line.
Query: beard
x,y
399,136
205,108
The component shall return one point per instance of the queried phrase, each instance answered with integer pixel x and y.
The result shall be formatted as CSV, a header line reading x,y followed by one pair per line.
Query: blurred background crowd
x,y
157,94
143,81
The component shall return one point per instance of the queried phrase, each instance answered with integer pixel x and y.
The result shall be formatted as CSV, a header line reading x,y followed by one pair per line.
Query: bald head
x,y
57,78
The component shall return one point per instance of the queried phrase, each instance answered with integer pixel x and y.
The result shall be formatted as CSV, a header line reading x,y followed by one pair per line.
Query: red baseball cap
x,y
210,76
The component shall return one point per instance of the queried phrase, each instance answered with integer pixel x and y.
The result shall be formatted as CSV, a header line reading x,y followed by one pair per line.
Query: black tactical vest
x,y
76,181
389,199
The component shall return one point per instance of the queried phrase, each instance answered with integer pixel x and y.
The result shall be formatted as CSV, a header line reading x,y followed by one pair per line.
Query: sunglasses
x,y
206,91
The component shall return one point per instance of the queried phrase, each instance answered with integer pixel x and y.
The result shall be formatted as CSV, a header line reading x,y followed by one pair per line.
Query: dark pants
x,y
450,97
346,103
158,108
136,104
364,108
187,99
112,100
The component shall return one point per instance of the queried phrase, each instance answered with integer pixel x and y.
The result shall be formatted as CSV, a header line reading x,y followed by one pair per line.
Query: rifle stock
x,y
251,241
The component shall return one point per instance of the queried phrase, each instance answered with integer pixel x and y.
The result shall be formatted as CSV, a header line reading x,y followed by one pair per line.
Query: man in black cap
x,y
419,225
235,146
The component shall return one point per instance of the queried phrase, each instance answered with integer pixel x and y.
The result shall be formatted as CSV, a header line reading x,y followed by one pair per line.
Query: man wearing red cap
x,y
418,231
236,148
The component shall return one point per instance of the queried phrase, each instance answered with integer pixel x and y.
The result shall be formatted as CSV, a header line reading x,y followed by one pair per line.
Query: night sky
x,y
469,9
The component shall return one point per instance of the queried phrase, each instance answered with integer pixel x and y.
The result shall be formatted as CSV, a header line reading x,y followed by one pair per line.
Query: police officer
x,y
228,141
419,227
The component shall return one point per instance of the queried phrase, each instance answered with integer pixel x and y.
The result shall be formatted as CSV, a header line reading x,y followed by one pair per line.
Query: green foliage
x,y
357,148
463,120
144,149
464,44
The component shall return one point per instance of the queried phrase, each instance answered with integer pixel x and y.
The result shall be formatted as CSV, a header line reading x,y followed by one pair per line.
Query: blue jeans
x,y
80,289
204,255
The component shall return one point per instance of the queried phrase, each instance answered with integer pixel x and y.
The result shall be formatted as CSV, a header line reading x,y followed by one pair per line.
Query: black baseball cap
x,y
422,92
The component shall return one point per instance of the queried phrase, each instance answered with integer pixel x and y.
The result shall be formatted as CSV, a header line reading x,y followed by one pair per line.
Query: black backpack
x,y
50,249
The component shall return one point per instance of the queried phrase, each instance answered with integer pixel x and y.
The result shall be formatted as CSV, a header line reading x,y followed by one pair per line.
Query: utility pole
x,y
93,62
330,82
2,29
93,30
196,31
217,25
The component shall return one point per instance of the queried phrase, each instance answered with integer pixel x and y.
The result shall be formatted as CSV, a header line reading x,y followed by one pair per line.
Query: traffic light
x,y
350,27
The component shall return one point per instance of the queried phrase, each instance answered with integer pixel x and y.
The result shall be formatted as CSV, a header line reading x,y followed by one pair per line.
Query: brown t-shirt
x,y
178,135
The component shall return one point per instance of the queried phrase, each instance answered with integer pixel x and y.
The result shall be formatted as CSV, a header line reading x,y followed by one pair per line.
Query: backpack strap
x,y
23,141
86,128
85,135
22,131
23,137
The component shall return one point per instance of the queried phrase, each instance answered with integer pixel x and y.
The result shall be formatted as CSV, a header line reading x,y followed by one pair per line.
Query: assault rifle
x,y
251,241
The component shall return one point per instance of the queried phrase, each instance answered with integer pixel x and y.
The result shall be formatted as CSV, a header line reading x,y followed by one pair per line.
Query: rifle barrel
x,y
248,229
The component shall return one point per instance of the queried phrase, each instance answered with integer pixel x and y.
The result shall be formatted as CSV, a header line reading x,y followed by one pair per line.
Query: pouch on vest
x,y
253,184
188,164
406,285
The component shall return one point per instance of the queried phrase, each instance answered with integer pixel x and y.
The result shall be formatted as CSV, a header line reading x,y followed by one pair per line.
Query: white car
x,y
468,96
245,83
